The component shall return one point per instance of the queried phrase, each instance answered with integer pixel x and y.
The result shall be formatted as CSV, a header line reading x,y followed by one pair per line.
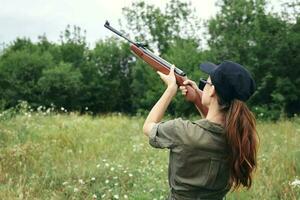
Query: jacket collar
x,y
210,126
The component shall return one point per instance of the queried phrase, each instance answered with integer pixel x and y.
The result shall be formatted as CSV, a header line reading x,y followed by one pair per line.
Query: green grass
x,y
56,156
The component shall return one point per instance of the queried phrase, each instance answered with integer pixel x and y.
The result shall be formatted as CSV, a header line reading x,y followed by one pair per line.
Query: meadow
x,y
49,155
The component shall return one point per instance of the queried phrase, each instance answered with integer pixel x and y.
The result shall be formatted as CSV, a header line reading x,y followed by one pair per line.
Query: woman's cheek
x,y
204,99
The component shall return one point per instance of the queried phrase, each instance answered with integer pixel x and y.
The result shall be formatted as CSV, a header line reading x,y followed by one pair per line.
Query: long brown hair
x,y
241,135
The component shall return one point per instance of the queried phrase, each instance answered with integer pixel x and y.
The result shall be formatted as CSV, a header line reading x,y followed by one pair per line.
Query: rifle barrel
x,y
106,25
145,50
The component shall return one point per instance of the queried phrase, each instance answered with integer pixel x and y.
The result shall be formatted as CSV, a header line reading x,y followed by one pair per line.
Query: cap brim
x,y
208,67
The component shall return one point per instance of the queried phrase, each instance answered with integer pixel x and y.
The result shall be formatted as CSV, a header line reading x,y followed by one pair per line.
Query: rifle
x,y
158,63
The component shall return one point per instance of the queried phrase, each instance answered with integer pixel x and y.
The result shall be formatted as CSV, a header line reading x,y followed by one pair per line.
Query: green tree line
x,y
108,78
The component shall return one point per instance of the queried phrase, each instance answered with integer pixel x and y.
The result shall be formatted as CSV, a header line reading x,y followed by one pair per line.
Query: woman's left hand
x,y
169,79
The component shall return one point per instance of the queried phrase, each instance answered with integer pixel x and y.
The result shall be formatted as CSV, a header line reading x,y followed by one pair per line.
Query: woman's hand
x,y
188,82
169,79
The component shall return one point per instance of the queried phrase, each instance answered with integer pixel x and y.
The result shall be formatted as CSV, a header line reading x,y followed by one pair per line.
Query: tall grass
x,y
66,156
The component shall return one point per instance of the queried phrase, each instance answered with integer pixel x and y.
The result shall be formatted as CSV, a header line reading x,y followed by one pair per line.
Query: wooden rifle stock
x,y
192,95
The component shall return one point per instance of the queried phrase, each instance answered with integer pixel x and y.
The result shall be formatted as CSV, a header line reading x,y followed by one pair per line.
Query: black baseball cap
x,y
231,80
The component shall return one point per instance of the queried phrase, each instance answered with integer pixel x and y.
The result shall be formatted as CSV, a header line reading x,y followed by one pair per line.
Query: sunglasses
x,y
202,83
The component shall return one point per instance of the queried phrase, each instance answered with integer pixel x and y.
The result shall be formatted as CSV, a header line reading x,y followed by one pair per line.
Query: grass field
x,y
66,156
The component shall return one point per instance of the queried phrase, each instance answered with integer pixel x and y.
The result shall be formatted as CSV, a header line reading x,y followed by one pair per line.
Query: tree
x,y
151,25
20,68
73,46
288,81
107,77
260,41
61,85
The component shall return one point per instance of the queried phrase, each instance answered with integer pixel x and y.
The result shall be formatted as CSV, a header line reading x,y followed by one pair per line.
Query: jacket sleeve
x,y
167,134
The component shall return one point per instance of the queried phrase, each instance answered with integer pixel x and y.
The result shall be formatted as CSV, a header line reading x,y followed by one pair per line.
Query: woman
x,y
208,157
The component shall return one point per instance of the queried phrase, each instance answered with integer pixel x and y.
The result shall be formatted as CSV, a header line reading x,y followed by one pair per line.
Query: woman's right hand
x,y
188,82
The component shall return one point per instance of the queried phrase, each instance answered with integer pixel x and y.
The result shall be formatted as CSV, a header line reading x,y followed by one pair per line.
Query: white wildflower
x,y
98,165
93,179
295,183
94,196
125,196
75,189
39,108
106,181
65,183
130,174
116,196
81,181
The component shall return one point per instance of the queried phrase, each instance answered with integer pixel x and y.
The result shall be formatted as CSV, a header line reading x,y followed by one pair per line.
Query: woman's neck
x,y
215,116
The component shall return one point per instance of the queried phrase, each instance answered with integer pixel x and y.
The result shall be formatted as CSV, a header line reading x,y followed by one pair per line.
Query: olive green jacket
x,y
198,160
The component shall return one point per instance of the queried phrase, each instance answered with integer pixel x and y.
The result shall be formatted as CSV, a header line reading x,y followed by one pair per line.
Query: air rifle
x,y
159,64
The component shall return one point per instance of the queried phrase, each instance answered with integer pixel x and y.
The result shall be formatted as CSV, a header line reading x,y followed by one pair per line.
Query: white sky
x,y
31,18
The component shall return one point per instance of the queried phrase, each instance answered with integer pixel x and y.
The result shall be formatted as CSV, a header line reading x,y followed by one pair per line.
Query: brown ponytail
x,y
241,134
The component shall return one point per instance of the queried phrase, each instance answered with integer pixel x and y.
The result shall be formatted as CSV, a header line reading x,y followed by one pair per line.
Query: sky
x,y
32,18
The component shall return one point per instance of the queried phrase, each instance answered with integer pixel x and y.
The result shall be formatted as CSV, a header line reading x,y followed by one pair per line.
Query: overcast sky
x,y
31,18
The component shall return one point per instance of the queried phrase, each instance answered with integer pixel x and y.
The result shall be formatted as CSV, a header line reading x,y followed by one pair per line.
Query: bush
x,y
61,85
